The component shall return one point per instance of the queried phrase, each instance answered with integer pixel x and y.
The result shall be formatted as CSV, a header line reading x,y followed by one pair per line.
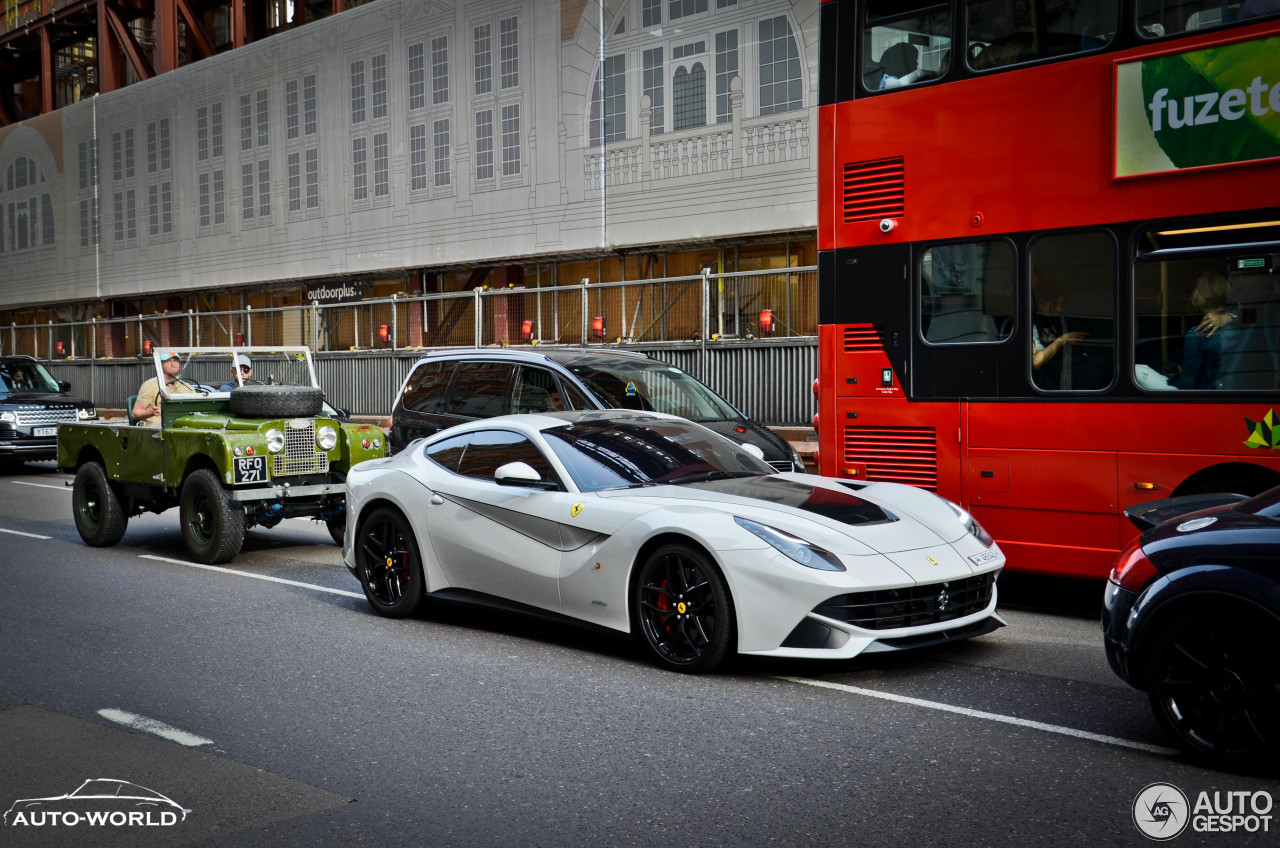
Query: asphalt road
x,y
301,718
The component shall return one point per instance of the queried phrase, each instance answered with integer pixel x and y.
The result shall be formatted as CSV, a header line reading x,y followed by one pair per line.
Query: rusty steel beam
x,y
46,72
129,45
167,52
196,29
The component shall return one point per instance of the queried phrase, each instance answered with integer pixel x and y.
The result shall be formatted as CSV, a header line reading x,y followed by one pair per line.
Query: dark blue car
x,y
1192,616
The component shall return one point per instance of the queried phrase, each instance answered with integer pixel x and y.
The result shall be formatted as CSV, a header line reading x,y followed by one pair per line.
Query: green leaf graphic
x,y
1214,71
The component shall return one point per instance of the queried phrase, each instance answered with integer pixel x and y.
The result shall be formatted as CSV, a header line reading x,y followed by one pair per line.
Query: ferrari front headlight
x,y
971,525
806,553
275,441
326,437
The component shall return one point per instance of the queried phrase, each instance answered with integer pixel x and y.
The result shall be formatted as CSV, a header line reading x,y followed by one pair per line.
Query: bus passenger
x,y
1047,337
1202,351
899,65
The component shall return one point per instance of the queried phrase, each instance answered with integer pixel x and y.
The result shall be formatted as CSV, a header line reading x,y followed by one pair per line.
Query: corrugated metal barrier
x,y
771,381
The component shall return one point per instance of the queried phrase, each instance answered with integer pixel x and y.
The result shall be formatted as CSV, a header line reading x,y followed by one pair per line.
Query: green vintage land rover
x,y
232,448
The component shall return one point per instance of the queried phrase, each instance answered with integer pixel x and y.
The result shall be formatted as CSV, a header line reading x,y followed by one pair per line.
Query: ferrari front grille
x,y
911,606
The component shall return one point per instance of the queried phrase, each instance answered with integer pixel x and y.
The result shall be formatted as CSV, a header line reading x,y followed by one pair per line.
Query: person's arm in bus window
x,y
1213,322
1043,353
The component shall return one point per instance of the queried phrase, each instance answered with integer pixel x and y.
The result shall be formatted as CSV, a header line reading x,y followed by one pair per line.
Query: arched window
x,y
689,97
26,207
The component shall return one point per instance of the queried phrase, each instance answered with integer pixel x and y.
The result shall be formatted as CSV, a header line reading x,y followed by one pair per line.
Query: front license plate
x,y
984,557
44,431
250,469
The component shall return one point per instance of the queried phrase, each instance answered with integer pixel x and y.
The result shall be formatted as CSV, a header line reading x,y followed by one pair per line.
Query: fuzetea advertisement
x,y
1205,107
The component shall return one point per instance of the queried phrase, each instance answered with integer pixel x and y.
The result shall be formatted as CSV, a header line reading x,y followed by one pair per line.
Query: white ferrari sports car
x,y
653,525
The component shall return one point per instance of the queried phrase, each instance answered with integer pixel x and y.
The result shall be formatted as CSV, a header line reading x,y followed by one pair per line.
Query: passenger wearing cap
x,y
146,409
245,367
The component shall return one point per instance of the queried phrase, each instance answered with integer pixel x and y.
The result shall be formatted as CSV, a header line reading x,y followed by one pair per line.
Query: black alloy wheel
x,y
388,564
1215,685
99,517
682,610
212,523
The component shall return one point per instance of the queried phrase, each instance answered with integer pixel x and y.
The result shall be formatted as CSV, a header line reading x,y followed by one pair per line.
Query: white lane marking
x,y
157,728
43,485
28,535
964,711
254,576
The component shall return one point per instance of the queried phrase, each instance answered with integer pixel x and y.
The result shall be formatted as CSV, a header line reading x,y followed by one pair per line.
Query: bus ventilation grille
x,y
874,190
895,454
862,337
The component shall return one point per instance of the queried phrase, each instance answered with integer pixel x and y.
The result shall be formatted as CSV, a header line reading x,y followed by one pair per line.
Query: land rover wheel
x,y
212,523
97,511
276,401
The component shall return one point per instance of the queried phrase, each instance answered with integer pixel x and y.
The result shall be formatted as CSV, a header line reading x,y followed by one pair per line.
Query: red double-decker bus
x,y
1049,236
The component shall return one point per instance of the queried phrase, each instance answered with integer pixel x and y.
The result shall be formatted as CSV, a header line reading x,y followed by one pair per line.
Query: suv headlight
x,y
86,414
971,525
9,417
326,437
275,441
796,549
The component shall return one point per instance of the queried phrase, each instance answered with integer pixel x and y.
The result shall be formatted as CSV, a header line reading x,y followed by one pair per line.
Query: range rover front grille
x,y
36,414
301,455
911,606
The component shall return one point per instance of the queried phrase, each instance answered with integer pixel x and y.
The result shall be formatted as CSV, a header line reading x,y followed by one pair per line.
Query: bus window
x,y
1007,32
1158,18
1073,312
1207,324
966,292
904,47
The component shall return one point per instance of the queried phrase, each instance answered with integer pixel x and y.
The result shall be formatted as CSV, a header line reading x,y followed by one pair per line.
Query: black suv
x,y
32,405
452,387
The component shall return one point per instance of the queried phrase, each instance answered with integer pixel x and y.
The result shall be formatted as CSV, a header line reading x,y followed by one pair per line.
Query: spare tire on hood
x,y
276,401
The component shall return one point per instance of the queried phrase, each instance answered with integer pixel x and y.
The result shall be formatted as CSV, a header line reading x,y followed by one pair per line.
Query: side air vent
x,y
859,338
874,190
895,454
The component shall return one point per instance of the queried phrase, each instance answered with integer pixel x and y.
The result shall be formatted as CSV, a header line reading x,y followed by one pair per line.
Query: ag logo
x,y
575,509
1161,811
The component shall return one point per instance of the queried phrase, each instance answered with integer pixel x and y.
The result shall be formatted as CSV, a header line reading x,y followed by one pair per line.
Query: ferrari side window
x,y
489,450
447,453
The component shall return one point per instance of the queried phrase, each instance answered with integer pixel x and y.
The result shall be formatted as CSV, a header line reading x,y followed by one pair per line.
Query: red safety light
x,y
146,347
239,339
766,320
61,350
384,333
526,330
597,326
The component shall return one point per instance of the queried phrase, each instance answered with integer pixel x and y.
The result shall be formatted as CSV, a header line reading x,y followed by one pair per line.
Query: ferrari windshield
x,y
613,454
652,386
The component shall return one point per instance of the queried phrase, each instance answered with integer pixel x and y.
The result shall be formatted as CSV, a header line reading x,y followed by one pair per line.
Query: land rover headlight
x,y
275,441
85,414
9,417
326,437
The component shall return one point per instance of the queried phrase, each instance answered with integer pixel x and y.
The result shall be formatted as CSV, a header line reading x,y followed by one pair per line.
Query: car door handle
x,y
436,500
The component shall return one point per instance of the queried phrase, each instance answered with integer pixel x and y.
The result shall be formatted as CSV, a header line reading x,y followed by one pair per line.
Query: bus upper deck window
x,y
1158,18
905,47
1010,32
